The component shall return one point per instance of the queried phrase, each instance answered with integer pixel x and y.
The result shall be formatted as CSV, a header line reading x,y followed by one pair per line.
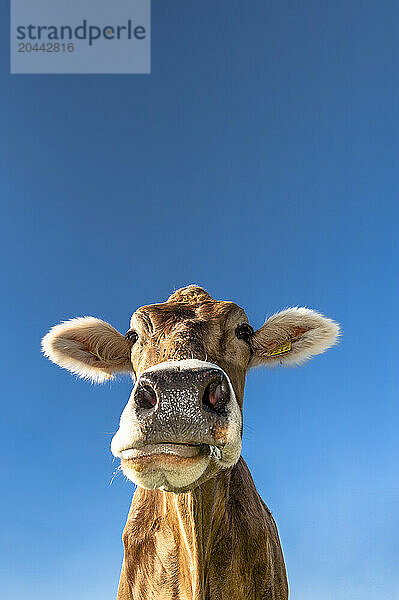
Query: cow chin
x,y
175,468
171,476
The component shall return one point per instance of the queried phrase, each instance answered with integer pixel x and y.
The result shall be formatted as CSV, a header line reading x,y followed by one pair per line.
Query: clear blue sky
x,y
260,160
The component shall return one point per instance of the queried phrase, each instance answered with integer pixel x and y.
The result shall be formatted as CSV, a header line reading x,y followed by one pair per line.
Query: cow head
x,y
188,357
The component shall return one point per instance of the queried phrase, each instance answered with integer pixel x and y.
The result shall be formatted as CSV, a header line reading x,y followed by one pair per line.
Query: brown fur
x,y
217,541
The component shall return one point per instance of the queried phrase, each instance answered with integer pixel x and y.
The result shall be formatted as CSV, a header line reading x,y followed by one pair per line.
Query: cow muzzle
x,y
181,425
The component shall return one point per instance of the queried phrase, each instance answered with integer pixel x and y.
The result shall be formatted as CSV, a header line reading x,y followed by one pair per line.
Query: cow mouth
x,y
164,451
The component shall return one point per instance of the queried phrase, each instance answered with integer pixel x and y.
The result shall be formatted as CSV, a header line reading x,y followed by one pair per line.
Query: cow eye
x,y
244,332
132,336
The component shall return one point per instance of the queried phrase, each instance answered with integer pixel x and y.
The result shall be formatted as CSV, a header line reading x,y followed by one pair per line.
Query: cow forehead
x,y
169,314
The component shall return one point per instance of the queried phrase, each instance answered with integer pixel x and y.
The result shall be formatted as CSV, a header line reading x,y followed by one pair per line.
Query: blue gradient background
x,y
259,159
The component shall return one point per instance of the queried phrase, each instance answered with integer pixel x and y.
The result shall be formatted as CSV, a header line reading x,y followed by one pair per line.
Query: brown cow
x,y
197,528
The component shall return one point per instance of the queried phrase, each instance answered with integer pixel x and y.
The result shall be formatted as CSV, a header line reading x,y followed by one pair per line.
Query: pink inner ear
x,y
297,331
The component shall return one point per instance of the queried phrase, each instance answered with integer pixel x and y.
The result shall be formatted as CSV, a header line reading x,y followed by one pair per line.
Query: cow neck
x,y
175,529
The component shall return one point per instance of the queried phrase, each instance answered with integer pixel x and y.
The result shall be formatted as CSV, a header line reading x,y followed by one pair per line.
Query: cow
x,y
197,528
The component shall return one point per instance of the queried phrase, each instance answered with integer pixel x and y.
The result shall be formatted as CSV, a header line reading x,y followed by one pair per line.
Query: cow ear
x,y
292,336
88,347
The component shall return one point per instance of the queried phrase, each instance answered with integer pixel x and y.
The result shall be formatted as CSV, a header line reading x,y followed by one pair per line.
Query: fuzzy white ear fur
x,y
88,347
306,331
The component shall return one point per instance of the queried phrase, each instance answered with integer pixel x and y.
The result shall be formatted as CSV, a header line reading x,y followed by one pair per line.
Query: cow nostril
x,y
146,397
215,396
